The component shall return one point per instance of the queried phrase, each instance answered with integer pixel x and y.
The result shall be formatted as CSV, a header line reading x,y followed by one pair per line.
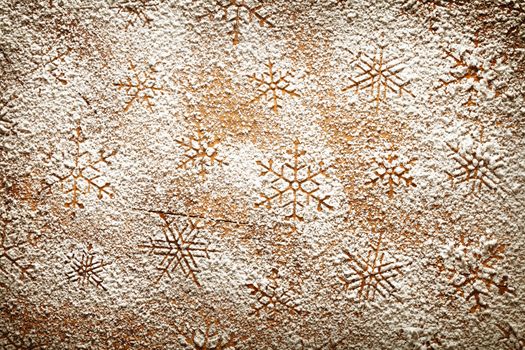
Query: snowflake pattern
x,y
380,76
295,183
11,254
86,269
392,171
83,174
135,12
141,86
472,271
273,86
272,298
475,165
200,151
471,73
180,247
235,13
372,274
510,338
209,337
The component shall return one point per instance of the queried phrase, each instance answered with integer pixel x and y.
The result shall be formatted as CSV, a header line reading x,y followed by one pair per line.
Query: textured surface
x,y
260,174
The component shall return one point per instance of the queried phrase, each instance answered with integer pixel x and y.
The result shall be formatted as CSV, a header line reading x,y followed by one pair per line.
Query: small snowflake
x,y
392,171
180,248
272,298
141,86
476,165
83,173
209,337
470,73
371,274
380,76
11,253
200,151
135,11
296,183
273,86
86,269
472,270
236,12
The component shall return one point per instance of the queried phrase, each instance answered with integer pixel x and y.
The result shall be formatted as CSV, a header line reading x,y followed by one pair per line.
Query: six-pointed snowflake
x,y
83,173
134,11
141,86
380,76
200,151
272,297
294,184
180,248
392,171
473,271
476,166
371,274
11,256
236,12
86,269
273,86
52,62
472,74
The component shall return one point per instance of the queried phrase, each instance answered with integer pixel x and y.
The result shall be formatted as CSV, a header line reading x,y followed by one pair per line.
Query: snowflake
x,y
134,12
181,248
392,171
200,151
380,76
6,124
235,12
469,71
273,86
510,338
211,337
272,297
296,181
473,271
83,173
10,254
140,86
475,165
371,274
52,62
86,269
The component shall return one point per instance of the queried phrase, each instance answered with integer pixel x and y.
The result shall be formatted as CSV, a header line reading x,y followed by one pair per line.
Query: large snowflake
x,y
200,151
180,248
11,253
82,173
391,170
380,76
475,165
472,270
237,12
272,297
86,269
471,73
273,86
140,86
294,185
371,274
